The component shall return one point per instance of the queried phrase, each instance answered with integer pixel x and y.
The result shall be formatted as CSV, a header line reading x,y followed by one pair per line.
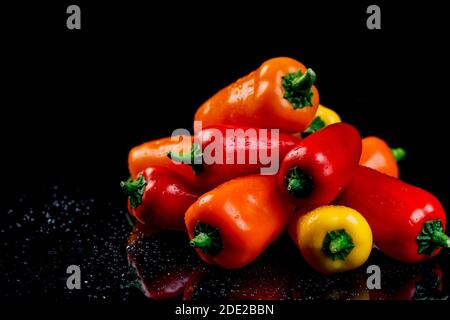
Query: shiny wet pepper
x,y
408,223
317,169
332,238
279,94
233,224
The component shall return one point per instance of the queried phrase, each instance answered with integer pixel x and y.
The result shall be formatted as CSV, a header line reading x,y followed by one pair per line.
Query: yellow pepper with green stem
x,y
327,115
332,238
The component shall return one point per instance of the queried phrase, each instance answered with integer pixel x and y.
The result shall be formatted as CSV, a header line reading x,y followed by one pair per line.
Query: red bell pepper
x,y
243,141
408,223
315,171
159,197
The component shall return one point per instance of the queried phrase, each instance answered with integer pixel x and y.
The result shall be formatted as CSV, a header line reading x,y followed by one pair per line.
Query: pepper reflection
x,y
168,268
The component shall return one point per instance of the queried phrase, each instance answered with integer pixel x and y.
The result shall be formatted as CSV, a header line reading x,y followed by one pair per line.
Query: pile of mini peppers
x,y
335,193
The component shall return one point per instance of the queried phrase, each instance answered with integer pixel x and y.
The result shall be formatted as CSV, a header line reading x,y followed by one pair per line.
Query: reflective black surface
x,y
42,235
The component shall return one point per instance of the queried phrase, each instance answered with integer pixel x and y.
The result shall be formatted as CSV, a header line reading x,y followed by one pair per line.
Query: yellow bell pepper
x,y
332,238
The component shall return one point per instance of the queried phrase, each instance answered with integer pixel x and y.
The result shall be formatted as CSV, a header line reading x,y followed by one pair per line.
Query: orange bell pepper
x,y
376,154
154,153
280,94
232,225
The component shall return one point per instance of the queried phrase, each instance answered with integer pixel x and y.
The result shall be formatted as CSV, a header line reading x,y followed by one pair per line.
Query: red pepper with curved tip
x,y
315,171
408,223
159,197
229,143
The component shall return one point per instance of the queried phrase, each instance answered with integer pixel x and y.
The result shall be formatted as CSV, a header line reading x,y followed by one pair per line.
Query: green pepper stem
x,y
298,88
201,240
304,81
432,237
207,238
315,126
180,157
128,187
134,190
338,244
193,158
398,153
298,183
440,239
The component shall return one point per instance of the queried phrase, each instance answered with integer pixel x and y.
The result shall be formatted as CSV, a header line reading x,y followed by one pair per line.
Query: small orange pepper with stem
x,y
280,94
377,154
231,225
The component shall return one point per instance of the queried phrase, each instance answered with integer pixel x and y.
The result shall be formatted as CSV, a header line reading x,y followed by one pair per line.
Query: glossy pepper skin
x,y
315,171
408,223
376,154
279,94
209,176
154,153
159,197
332,238
231,225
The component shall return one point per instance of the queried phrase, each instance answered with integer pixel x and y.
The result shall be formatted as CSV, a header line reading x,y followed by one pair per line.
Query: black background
x,y
75,101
